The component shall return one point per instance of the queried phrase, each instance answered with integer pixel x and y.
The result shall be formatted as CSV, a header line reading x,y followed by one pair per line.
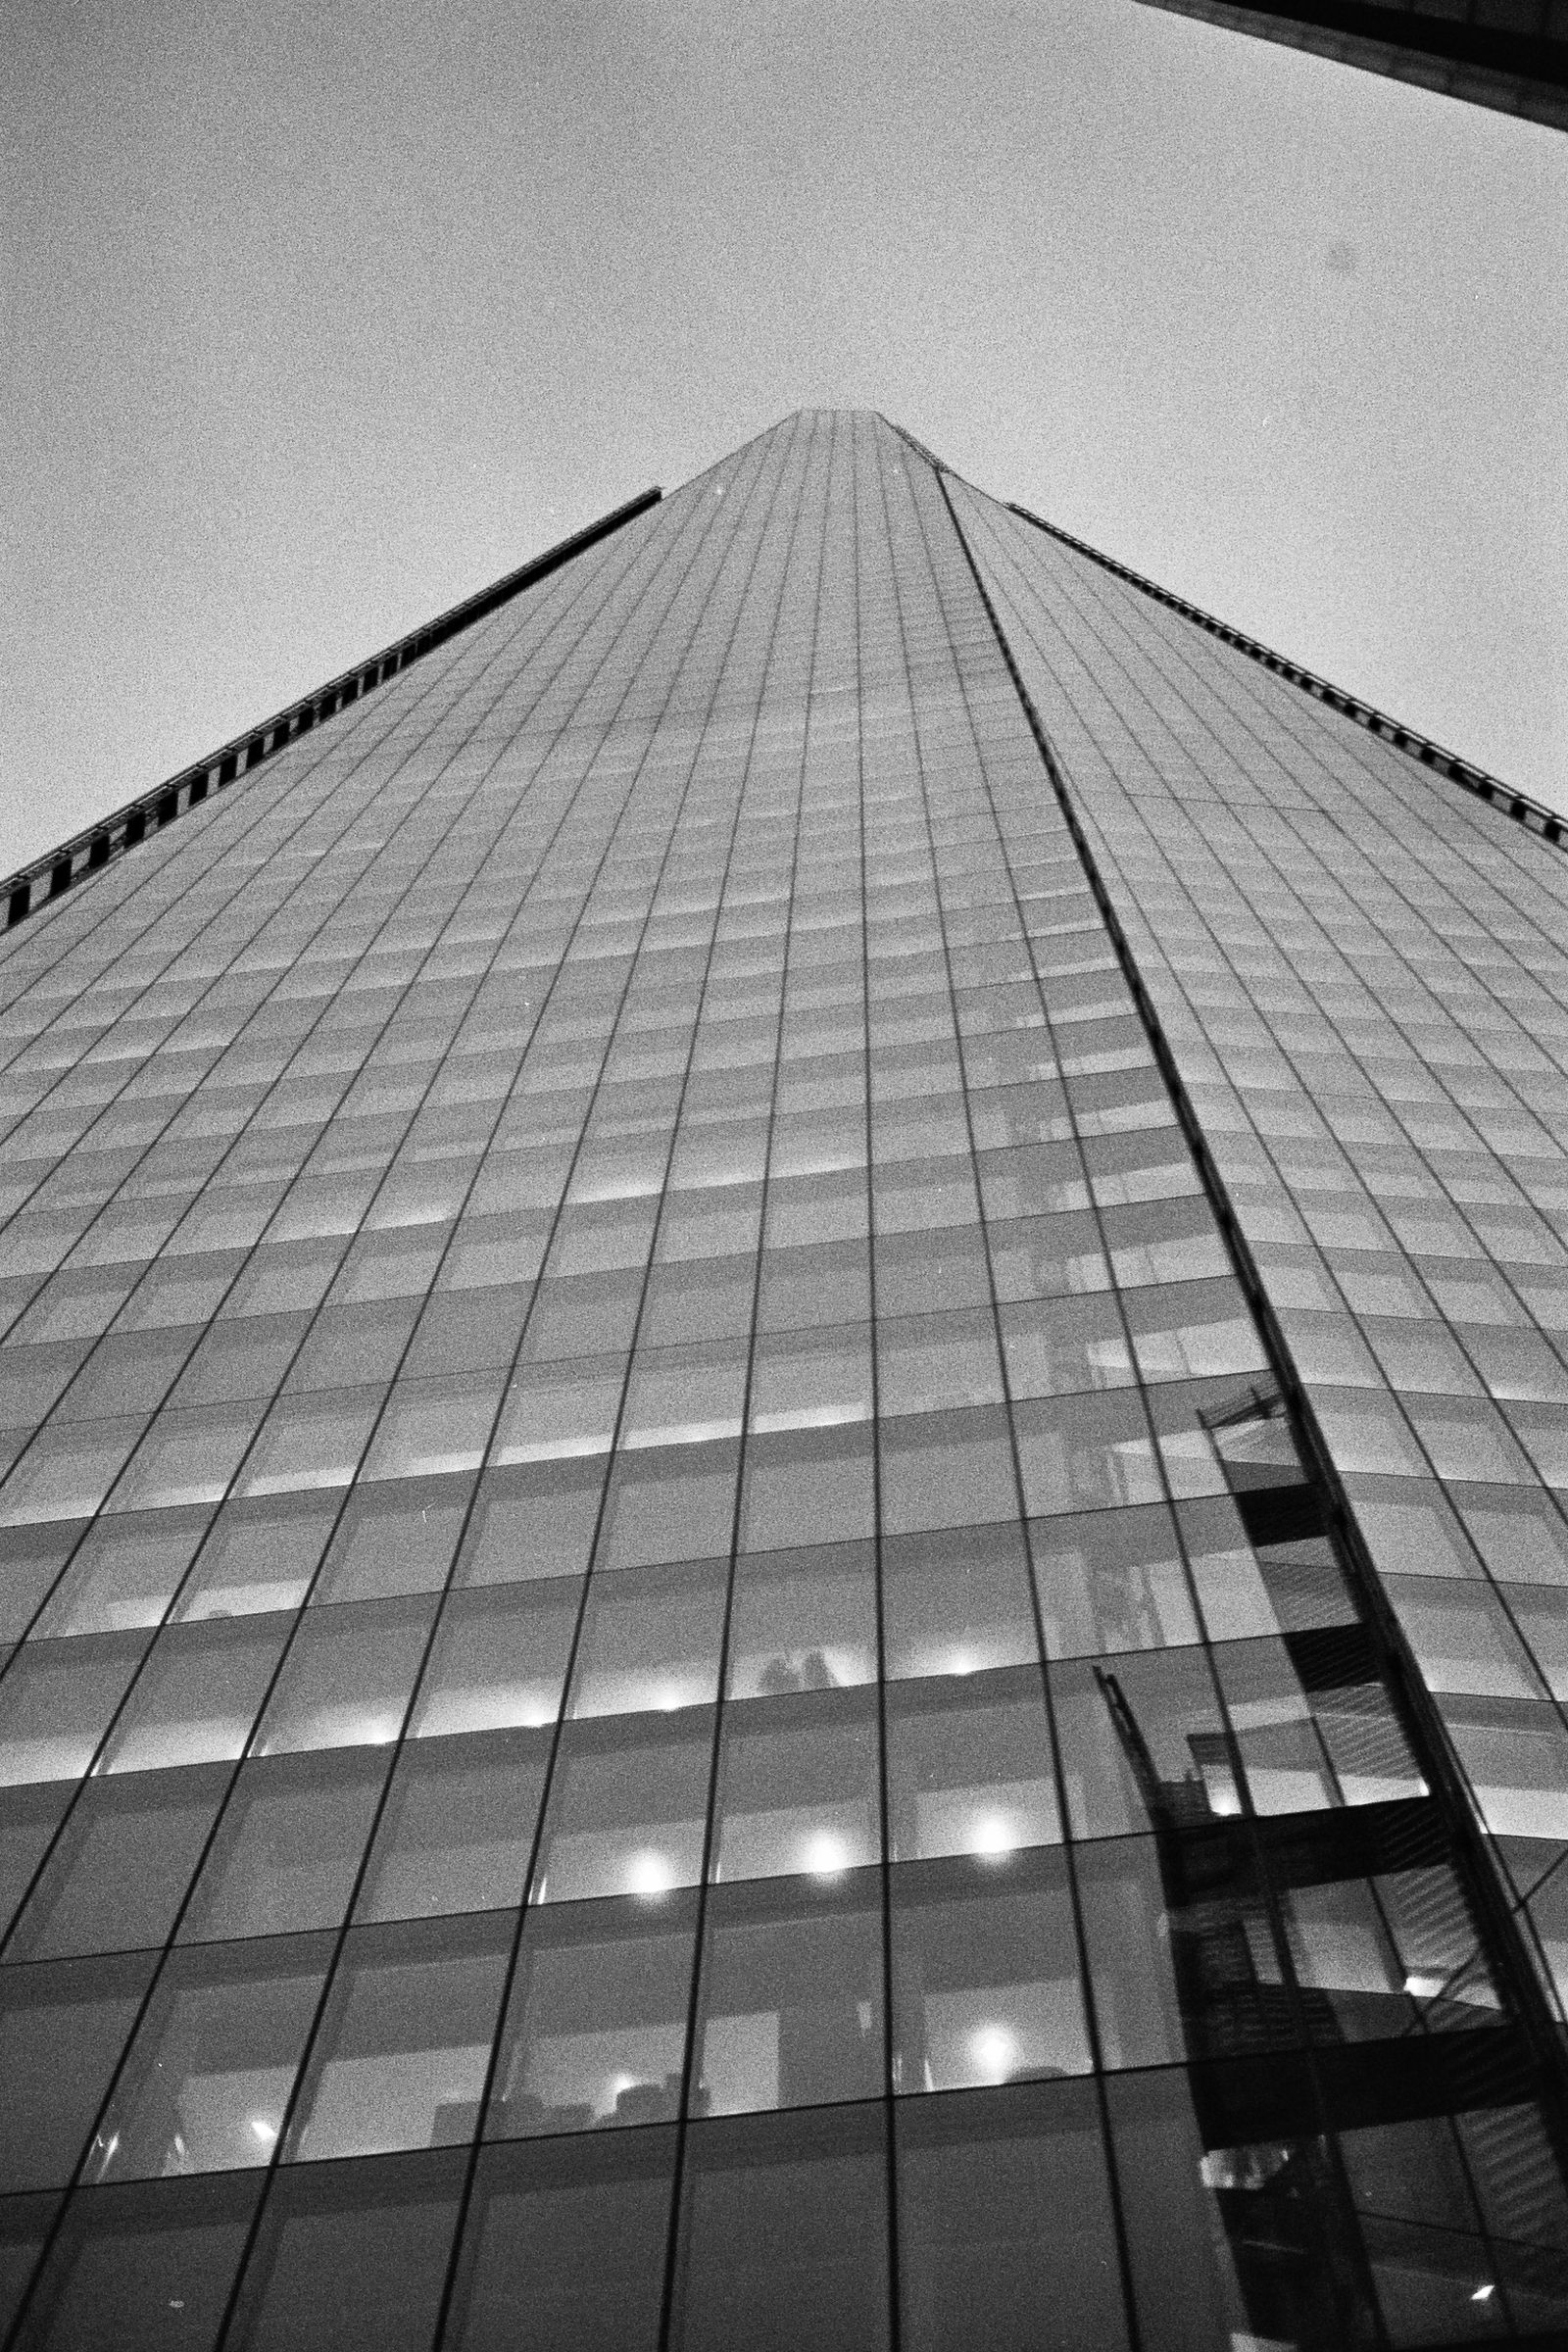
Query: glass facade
x,y
691,1665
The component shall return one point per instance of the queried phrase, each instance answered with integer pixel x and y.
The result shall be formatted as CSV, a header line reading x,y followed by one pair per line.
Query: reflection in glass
x,y
596,2032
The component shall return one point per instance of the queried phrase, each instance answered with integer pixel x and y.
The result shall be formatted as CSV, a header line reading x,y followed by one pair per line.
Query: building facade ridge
x,y
47,877
1546,823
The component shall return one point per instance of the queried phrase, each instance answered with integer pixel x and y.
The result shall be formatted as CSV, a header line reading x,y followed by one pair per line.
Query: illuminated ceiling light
x,y
995,2052
650,1874
992,1837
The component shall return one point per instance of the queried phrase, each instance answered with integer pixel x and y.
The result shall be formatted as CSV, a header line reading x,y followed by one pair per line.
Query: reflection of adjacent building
x,y
1360,2087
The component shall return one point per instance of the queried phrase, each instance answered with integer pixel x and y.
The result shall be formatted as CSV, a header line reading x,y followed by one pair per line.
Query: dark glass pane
x,y
532,1519
288,1845
147,2264
458,1826
24,2226
351,2256
573,2234
783,2236
62,2029
1005,2233
34,1559
28,1820
790,2001
987,1987
119,1874
392,1539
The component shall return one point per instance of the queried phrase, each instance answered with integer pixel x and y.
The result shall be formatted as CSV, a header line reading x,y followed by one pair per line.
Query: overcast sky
x,y
318,314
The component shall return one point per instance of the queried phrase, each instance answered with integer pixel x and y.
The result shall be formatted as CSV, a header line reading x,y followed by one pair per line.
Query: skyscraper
x,y
785,1408
1511,55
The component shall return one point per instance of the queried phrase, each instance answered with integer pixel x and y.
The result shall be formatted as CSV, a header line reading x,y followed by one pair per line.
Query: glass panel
x,y
956,1604
650,1640
350,2261
459,1827
790,2002
797,1788
498,1658
347,1676
399,2057
969,1767
124,1573
399,1538
197,1695
57,1702
34,1557
574,2233
62,2032
1110,1580
596,2032
121,1867
806,1487
127,2257
208,2075
669,1503
946,1470
259,1556
986,1975
784,2235
627,1808
288,1847
1005,2231
537,1519
803,1621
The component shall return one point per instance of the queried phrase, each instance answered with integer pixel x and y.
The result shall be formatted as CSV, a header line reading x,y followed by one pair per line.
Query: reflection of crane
x,y
1274,2080
1293,2239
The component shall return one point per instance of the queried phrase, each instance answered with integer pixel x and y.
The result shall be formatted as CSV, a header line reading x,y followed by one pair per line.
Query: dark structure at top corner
x,y
1511,55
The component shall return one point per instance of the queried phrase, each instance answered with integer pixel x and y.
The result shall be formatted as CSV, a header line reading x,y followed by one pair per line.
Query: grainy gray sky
x,y
319,313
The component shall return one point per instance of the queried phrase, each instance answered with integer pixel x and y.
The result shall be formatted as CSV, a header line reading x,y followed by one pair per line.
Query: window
x,y
400,2053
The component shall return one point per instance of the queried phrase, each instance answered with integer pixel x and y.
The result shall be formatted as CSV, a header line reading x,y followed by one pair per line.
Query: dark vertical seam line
x,y
1272,1909
1272,854
1270,1901
509,1975
1438,1761
1069,1839
1277,863
885,1862
1270,849
695,1988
